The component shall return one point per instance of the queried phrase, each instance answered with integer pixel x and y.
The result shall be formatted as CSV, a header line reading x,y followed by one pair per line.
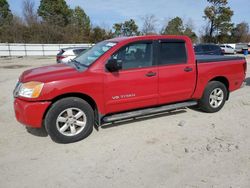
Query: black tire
x,y
205,102
63,108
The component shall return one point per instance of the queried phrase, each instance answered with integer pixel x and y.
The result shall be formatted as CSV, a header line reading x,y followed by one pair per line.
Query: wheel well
x,y
87,98
79,95
223,80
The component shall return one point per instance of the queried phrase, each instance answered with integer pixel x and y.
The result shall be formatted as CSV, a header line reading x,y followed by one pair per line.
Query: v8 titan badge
x,y
123,96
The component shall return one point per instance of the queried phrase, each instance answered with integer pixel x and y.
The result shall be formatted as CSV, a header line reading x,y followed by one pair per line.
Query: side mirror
x,y
114,65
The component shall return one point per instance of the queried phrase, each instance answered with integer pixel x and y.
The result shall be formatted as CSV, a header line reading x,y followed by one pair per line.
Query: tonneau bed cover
x,y
216,58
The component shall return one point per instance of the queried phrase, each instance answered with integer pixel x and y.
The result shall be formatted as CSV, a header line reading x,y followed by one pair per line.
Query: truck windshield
x,y
89,56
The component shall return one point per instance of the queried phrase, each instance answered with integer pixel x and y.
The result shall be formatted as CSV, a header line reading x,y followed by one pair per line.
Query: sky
x,y
107,12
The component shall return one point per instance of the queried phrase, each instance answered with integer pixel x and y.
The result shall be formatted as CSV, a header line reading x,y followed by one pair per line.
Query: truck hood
x,y
49,73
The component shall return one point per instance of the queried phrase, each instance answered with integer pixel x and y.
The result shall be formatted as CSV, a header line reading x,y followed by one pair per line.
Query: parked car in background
x,y
67,54
208,49
227,49
240,47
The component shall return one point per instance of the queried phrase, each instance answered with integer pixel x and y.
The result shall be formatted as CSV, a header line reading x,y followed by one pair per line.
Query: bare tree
x,y
29,12
149,24
241,32
190,24
204,33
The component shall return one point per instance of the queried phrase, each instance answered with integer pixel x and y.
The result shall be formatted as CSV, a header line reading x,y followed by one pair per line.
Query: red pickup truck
x,y
124,78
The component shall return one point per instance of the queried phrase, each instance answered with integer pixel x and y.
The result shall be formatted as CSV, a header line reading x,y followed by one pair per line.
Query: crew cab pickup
x,y
124,78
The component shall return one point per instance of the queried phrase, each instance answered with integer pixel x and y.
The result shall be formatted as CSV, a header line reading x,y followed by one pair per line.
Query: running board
x,y
147,111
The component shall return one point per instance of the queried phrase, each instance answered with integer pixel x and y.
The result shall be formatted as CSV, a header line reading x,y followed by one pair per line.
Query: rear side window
x,y
214,47
172,53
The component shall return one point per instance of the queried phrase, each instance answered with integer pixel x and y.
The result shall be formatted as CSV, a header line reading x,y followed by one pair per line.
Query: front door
x,y
136,85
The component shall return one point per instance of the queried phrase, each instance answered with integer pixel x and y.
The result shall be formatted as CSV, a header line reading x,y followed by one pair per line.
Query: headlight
x,y
30,89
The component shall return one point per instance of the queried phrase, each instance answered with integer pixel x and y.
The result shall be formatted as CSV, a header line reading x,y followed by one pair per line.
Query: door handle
x,y
188,69
151,74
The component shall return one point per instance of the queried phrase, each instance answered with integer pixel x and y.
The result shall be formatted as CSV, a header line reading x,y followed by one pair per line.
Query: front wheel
x,y
69,120
214,97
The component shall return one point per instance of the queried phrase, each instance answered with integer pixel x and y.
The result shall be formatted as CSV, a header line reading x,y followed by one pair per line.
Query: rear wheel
x,y
214,97
69,120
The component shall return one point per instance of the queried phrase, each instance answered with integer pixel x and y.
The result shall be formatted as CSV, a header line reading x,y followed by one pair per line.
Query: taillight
x,y
60,57
245,67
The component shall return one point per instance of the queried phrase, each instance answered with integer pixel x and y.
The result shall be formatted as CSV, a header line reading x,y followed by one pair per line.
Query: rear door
x,y
230,49
177,74
136,85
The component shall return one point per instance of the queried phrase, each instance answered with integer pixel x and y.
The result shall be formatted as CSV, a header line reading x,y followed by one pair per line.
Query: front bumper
x,y
30,113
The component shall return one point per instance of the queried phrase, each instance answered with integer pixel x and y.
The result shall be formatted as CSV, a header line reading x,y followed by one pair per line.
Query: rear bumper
x,y
30,113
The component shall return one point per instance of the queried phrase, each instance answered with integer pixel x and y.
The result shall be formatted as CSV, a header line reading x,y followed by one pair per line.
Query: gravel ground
x,y
186,148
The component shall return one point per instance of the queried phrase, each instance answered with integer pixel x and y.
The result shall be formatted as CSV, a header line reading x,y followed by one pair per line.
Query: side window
x,y
206,48
78,51
198,49
136,55
215,47
172,53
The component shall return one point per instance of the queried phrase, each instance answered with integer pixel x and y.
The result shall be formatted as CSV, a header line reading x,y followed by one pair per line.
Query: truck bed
x,y
216,58
227,69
